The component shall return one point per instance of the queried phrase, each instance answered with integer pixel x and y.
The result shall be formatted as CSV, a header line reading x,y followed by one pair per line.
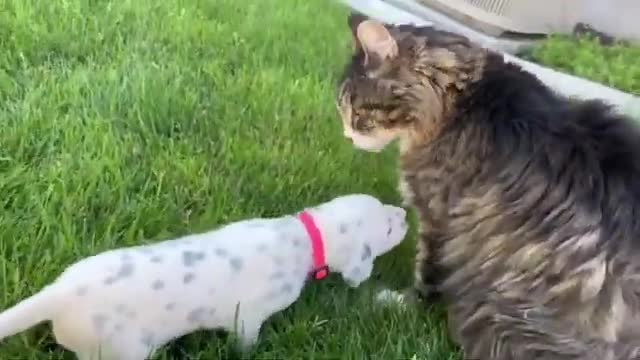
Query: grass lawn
x,y
134,121
140,120
616,66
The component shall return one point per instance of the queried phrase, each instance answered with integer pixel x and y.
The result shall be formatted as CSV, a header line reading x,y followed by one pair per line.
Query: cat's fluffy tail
x,y
30,311
535,339
624,351
591,350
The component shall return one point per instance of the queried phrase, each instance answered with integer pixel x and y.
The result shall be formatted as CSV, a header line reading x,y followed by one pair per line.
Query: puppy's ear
x,y
359,268
396,227
395,211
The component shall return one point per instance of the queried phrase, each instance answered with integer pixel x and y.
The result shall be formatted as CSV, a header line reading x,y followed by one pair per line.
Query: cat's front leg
x,y
405,191
425,288
426,275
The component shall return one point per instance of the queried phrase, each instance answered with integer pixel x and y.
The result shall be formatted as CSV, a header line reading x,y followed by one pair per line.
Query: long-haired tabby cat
x,y
529,203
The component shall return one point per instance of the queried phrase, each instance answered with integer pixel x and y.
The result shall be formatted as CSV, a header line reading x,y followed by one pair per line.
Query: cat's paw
x,y
408,296
391,297
405,193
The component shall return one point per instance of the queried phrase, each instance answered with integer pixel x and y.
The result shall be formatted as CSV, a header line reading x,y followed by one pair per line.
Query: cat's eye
x,y
366,75
360,121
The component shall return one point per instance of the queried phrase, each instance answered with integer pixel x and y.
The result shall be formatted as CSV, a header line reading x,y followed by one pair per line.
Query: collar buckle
x,y
320,273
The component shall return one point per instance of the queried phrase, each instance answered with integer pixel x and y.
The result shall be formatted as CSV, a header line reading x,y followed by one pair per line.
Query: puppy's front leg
x,y
248,339
247,335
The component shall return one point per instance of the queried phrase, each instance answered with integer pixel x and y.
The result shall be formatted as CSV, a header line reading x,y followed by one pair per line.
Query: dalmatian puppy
x,y
126,303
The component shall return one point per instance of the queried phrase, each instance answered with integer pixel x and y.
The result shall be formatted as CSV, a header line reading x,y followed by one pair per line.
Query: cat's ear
x,y
376,41
355,19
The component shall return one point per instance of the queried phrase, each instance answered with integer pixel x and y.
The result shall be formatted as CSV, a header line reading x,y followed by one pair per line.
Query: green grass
x,y
132,121
616,66
135,121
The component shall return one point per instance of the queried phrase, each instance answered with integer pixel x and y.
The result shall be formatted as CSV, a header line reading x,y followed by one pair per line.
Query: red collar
x,y
320,268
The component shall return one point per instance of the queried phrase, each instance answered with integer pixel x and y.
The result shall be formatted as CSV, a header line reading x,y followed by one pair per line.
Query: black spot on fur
x,y
236,264
366,252
147,338
146,251
188,277
221,252
277,275
157,285
196,315
126,270
121,308
190,258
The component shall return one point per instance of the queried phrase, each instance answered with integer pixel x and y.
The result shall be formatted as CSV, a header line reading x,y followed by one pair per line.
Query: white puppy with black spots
x,y
126,303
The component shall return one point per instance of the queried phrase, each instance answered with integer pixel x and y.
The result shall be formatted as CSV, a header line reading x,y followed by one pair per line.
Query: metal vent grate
x,y
498,7
497,17
518,18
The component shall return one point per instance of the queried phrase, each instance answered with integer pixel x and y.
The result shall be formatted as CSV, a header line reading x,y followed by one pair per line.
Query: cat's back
x,y
532,138
519,116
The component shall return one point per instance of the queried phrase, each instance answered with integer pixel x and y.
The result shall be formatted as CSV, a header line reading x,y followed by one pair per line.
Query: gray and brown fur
x,y
528,204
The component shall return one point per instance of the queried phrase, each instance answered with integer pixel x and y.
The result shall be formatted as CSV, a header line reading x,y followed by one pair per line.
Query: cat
x,y
528,202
